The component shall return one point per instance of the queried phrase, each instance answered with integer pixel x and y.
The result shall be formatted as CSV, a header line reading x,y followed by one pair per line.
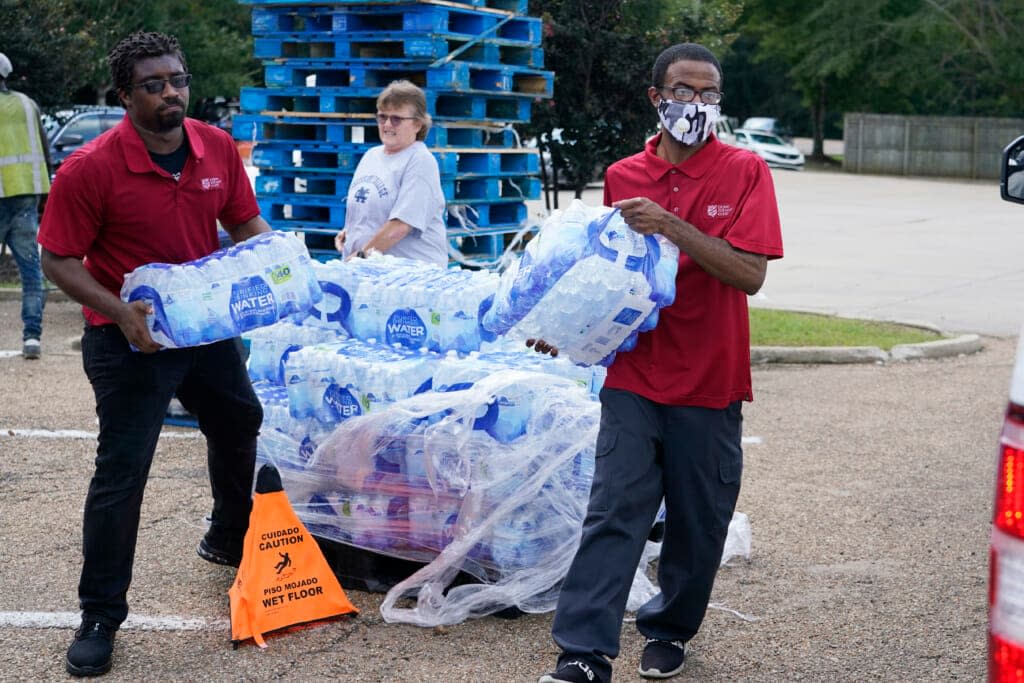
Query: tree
x,y
602,53
830,50
45,55
940,57
961,57
59,47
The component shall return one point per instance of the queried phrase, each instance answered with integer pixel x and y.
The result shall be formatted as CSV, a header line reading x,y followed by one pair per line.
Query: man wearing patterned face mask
x,y
689,122
671,408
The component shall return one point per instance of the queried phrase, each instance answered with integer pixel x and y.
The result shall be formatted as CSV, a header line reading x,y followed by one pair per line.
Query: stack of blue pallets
x,y
481,66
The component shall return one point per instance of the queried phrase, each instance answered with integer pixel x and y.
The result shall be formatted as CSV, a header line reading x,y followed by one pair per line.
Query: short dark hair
x,y
679,52
136,47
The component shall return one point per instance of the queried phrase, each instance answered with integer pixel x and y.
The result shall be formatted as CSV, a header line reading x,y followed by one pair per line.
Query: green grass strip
x,y
785,328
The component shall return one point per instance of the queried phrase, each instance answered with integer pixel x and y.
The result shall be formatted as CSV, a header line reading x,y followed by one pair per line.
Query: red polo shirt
x,y
699,354
113,207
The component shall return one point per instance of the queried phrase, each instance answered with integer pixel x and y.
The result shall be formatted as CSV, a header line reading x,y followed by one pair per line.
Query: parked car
x,y
68,129
1006,552
545,159
774,150
768,124
725,129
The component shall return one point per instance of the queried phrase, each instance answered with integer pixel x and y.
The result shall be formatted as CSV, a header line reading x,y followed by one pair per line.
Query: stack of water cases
x,y
481,66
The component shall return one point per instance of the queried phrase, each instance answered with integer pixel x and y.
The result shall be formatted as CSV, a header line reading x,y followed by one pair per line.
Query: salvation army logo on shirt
x,y
719,210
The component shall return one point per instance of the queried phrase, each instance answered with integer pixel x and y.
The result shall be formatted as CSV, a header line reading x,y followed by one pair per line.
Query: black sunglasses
x,y
156,85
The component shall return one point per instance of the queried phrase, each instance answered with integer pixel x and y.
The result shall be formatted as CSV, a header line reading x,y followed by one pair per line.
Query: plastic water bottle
x,y
249,285
586,284
406,302
267,346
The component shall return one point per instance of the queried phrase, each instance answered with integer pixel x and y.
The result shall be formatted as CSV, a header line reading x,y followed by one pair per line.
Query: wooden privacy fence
x,y
951,146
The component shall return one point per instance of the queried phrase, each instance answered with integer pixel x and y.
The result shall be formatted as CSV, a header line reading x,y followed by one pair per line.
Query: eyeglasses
x,y
156,85
684,94
395,120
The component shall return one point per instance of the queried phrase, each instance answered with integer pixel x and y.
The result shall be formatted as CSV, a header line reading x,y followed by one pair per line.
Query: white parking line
x,y
9,354
79,434
141,622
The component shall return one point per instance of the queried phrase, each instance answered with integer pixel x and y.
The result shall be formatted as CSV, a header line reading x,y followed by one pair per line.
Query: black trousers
x,y
132,392
645,451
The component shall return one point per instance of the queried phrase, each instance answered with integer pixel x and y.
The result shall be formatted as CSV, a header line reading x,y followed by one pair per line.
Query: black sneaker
x,y
212,549
91,651
572,671
662,658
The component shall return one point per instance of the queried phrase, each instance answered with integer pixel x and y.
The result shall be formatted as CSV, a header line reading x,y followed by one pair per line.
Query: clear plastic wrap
x,y
249,285
269,345
587,284
412,303
430,479
424,480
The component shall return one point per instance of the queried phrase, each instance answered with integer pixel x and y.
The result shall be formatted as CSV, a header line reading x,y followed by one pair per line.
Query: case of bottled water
x,y
587,284
403,301
334,382
249,285
269,345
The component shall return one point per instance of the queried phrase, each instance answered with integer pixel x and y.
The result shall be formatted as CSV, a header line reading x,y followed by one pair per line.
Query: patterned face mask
x,y
688,122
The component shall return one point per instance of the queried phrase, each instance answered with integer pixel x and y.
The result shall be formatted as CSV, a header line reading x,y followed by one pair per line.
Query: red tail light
x,y
1008,514
1006,570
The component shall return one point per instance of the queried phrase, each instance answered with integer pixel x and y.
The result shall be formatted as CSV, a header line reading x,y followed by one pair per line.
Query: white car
x,y
774,150
1006,553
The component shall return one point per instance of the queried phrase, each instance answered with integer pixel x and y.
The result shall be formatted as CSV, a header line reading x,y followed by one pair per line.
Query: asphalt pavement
x,y
868,488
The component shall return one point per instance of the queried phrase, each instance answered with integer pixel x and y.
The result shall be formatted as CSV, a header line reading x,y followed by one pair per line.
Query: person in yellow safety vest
x,y
24,179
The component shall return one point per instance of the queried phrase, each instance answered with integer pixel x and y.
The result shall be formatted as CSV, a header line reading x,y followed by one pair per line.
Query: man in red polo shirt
x,y
150,190
671,408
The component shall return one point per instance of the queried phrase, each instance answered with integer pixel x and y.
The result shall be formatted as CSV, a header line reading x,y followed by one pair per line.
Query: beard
x,y
169,120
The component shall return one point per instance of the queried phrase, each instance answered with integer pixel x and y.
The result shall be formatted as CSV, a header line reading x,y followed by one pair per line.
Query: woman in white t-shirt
x,y
395,204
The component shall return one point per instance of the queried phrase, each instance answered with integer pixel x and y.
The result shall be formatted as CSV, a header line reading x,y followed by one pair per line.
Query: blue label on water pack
x,y
340,403
306,449
340,314
627,316
252,304
405,327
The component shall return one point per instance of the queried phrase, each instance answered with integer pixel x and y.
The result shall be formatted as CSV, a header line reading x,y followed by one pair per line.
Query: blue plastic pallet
x,y
341,129
483,248
329,217
505,108
387,47
481,214
417,18
181,421
466,162
330,190
450,77
510,6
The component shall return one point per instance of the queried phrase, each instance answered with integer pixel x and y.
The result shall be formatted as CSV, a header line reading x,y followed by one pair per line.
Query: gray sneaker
x,y
31,349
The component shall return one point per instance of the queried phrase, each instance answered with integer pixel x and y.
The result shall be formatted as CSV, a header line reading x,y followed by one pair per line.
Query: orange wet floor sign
x,y
283,579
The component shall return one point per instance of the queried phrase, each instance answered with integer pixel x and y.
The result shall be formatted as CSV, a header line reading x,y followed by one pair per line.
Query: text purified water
x,y
249,285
